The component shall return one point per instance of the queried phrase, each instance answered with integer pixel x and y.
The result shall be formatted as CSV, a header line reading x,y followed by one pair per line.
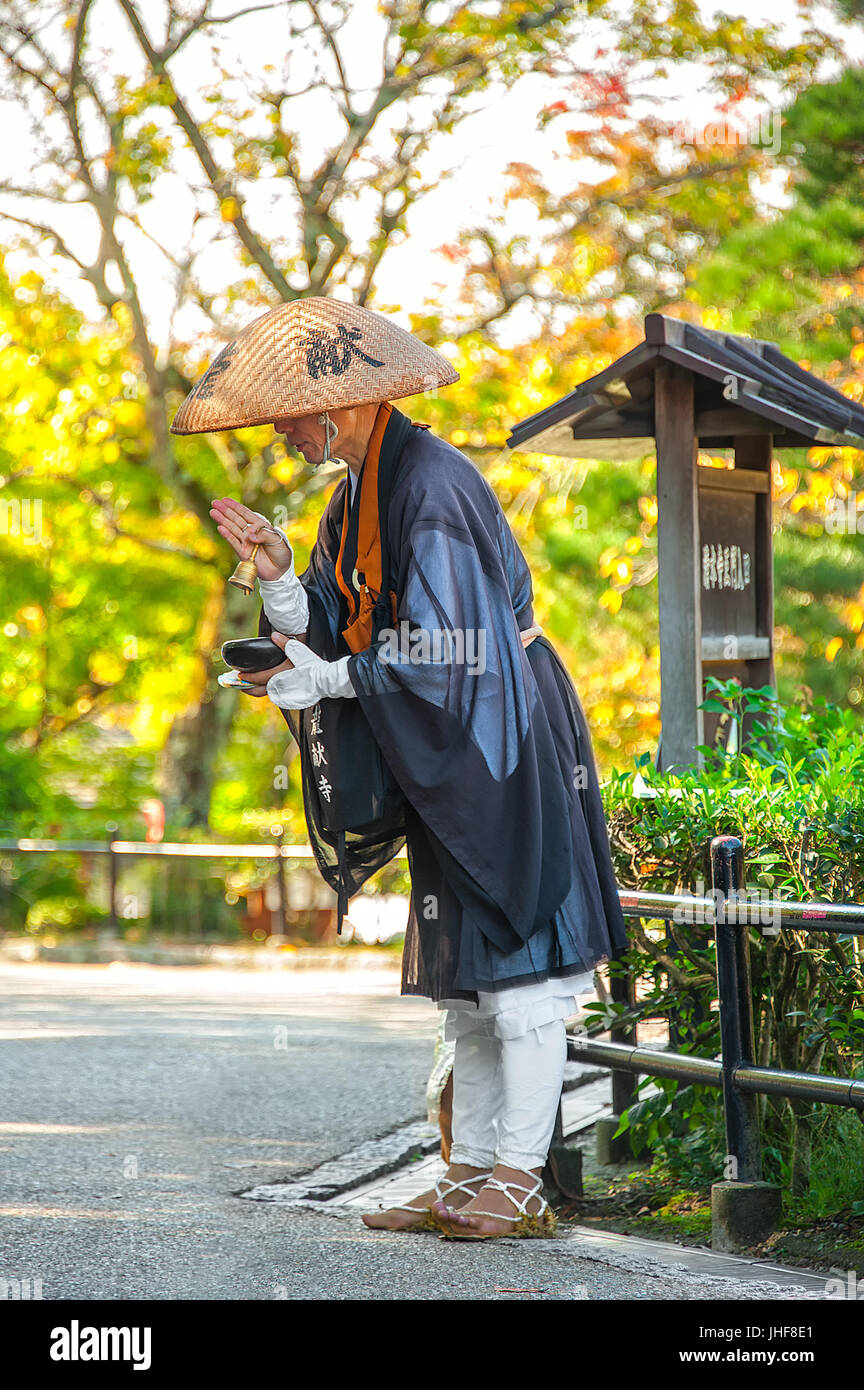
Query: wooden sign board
x,y
727,550
732,578
690,387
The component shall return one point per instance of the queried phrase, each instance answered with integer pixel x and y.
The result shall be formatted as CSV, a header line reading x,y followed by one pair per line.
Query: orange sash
x,y
358,633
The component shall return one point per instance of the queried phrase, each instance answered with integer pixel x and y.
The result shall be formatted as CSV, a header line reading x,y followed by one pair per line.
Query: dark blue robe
x,y
512,879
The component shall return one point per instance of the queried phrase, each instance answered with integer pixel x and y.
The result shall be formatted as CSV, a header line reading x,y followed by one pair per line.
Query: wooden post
x,y
682,724
756,453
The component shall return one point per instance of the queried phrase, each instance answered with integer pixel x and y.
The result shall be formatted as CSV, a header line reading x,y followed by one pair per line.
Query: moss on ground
x,y
633,1201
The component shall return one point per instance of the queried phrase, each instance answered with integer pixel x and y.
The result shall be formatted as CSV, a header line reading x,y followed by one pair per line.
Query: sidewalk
x,y
223,954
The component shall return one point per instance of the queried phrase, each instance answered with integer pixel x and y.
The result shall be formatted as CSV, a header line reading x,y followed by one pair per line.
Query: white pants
x,y
506,1093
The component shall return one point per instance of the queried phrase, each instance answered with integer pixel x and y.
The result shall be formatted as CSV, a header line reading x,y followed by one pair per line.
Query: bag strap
x,y
342,888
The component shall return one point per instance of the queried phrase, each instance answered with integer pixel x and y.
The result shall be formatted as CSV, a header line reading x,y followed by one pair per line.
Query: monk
x,y
432,712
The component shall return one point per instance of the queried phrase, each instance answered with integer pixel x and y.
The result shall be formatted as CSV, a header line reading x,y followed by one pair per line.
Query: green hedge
x,y
795,796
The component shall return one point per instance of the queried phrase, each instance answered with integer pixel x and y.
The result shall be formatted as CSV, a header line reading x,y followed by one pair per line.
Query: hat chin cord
x,y
330,433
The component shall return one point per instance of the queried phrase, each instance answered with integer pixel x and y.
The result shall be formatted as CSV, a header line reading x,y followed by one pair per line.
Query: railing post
x,y
622,990
736,1009
111,828
608,1149
563,1168
744,1209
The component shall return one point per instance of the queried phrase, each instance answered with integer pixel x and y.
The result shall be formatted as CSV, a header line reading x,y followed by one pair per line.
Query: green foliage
x,y
113,622
769,272
793,276
59,913
46,893
836,1165
681,1127
825,129
794,795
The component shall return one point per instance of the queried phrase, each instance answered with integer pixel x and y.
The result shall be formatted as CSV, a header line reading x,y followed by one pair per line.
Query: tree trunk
x,y
802,1147
197,736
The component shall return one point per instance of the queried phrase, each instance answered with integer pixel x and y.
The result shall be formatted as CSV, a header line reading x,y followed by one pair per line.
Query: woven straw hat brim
x,y
305,357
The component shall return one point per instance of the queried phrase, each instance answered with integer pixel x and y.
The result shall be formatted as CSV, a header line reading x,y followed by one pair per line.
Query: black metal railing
x,y
115,853
727,910
731,914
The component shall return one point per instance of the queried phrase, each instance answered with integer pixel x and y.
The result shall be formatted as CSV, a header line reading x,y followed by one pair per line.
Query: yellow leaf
x,y
106,668
648,509
853,614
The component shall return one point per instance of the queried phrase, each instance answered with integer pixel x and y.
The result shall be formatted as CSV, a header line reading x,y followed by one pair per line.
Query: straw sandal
x,y
540,1224
430,1221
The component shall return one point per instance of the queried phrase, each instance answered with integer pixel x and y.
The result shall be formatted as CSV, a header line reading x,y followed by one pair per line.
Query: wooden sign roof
x,y
743,386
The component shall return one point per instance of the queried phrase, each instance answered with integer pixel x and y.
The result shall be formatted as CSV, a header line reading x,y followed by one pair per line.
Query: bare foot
x,y
416,1214
465,1219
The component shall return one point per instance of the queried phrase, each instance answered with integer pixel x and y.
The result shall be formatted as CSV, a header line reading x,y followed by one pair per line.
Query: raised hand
x,y
243,528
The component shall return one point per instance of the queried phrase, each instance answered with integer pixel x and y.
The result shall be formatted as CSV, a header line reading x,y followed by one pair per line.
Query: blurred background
x,y
518,183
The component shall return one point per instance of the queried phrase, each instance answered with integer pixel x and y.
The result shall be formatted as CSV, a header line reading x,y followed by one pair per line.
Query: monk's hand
x,y
306,678
243,528
259,679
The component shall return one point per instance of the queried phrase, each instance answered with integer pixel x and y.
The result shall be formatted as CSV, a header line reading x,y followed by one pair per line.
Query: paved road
x,y
137,1101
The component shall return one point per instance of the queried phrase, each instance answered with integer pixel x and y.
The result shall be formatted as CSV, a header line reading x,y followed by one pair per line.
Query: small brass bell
x,y
245,574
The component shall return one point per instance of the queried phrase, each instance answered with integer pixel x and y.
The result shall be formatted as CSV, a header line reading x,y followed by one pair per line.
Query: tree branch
x,y
330,40
164,547
220,182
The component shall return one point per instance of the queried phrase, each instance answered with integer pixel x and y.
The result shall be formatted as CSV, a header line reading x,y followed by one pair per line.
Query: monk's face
x,y
304,433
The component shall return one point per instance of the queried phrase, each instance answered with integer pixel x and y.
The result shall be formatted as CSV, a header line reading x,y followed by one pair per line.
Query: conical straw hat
x,y
307,356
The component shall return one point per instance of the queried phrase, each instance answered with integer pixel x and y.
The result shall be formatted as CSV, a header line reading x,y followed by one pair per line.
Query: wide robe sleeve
x,y
319,580
452,700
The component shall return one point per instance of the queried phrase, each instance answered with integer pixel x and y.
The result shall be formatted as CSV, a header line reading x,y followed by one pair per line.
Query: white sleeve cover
x,y
311,680
284,599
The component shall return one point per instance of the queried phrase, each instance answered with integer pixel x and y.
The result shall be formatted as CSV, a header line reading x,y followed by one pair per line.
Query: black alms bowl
x,y
252,654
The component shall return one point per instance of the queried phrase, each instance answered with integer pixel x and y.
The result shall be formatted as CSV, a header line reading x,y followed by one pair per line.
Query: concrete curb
x,y
374,1159
373,1170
